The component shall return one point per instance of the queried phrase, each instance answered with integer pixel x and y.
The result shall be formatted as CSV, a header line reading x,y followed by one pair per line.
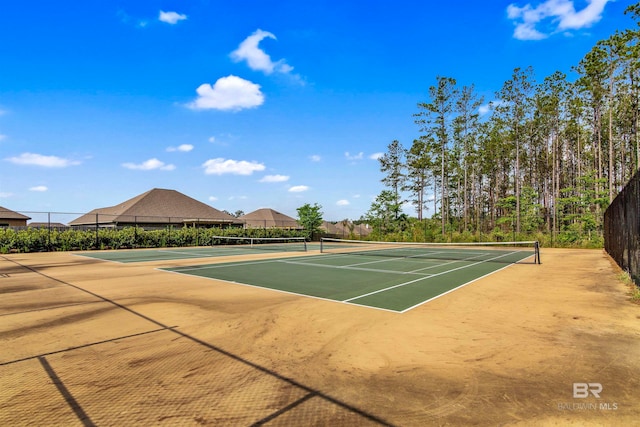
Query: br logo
x,y
582,390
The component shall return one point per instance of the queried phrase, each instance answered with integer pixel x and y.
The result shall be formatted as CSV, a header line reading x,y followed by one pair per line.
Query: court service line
x,y
419,257
416,271
425,278
451,262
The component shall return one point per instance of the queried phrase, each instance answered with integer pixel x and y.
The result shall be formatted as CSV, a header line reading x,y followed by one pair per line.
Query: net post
x,y
321,244
537,253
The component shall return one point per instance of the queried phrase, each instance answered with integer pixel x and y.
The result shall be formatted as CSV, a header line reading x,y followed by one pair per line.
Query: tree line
x,y
546,159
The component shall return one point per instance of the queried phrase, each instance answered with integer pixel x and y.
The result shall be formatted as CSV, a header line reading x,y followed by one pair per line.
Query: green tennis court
x,y
395,283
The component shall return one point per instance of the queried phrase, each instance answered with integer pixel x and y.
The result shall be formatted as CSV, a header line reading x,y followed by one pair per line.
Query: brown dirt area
x,y
88,342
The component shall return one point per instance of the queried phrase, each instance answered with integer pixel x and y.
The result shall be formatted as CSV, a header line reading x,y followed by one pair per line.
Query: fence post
x,y
49,231
97,236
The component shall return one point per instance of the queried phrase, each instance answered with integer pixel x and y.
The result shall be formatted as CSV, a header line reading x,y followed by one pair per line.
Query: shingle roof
x,y
46,225
157,206
266,217
331,228
9,214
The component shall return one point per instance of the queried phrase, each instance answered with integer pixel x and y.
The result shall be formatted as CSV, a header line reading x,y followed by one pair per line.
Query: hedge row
x,y
43,239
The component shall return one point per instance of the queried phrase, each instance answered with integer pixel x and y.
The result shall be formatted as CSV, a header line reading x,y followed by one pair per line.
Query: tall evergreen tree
x,y
418,167
513,111
392,165
435,121
465,135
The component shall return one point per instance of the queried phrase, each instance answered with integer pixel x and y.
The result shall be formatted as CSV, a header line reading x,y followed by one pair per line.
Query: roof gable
x,y
266,217
9,214
267,214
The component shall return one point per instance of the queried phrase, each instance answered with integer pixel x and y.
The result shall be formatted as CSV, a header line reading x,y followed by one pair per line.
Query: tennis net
x,y
282,244
503,252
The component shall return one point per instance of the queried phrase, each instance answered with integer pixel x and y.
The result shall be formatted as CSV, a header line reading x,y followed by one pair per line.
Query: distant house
x,y
268,218
331,229
9,218
56,225
345,229
158,208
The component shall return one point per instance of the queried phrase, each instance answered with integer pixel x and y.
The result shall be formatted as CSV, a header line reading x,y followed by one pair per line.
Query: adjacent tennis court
x,y
389,276
224,246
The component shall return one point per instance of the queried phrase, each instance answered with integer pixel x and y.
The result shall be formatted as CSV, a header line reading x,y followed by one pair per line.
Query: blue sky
x,y
251,104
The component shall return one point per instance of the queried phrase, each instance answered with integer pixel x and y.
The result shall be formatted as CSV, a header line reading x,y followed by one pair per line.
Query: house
x,y
55,225
269,218
158,208
345,229
9,218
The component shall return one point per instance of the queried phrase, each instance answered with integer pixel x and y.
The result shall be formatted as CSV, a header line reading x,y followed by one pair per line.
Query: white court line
x,y
452,262
428,277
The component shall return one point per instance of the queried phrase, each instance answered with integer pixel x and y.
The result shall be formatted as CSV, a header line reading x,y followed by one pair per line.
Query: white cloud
x,y
39,188
40,160
298,189
2,137
212,198
484,109
256,58
212,139
358,156
229,93
275,178
171,17
315,158
342,202
183,147
5,195
220,166
591,14
376,156
554,16
148,165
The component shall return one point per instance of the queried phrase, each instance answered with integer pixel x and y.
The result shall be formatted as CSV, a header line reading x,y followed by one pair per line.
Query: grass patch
x,y
634,290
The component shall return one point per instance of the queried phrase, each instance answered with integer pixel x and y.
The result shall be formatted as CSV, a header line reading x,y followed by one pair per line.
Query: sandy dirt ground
x,y
88,342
